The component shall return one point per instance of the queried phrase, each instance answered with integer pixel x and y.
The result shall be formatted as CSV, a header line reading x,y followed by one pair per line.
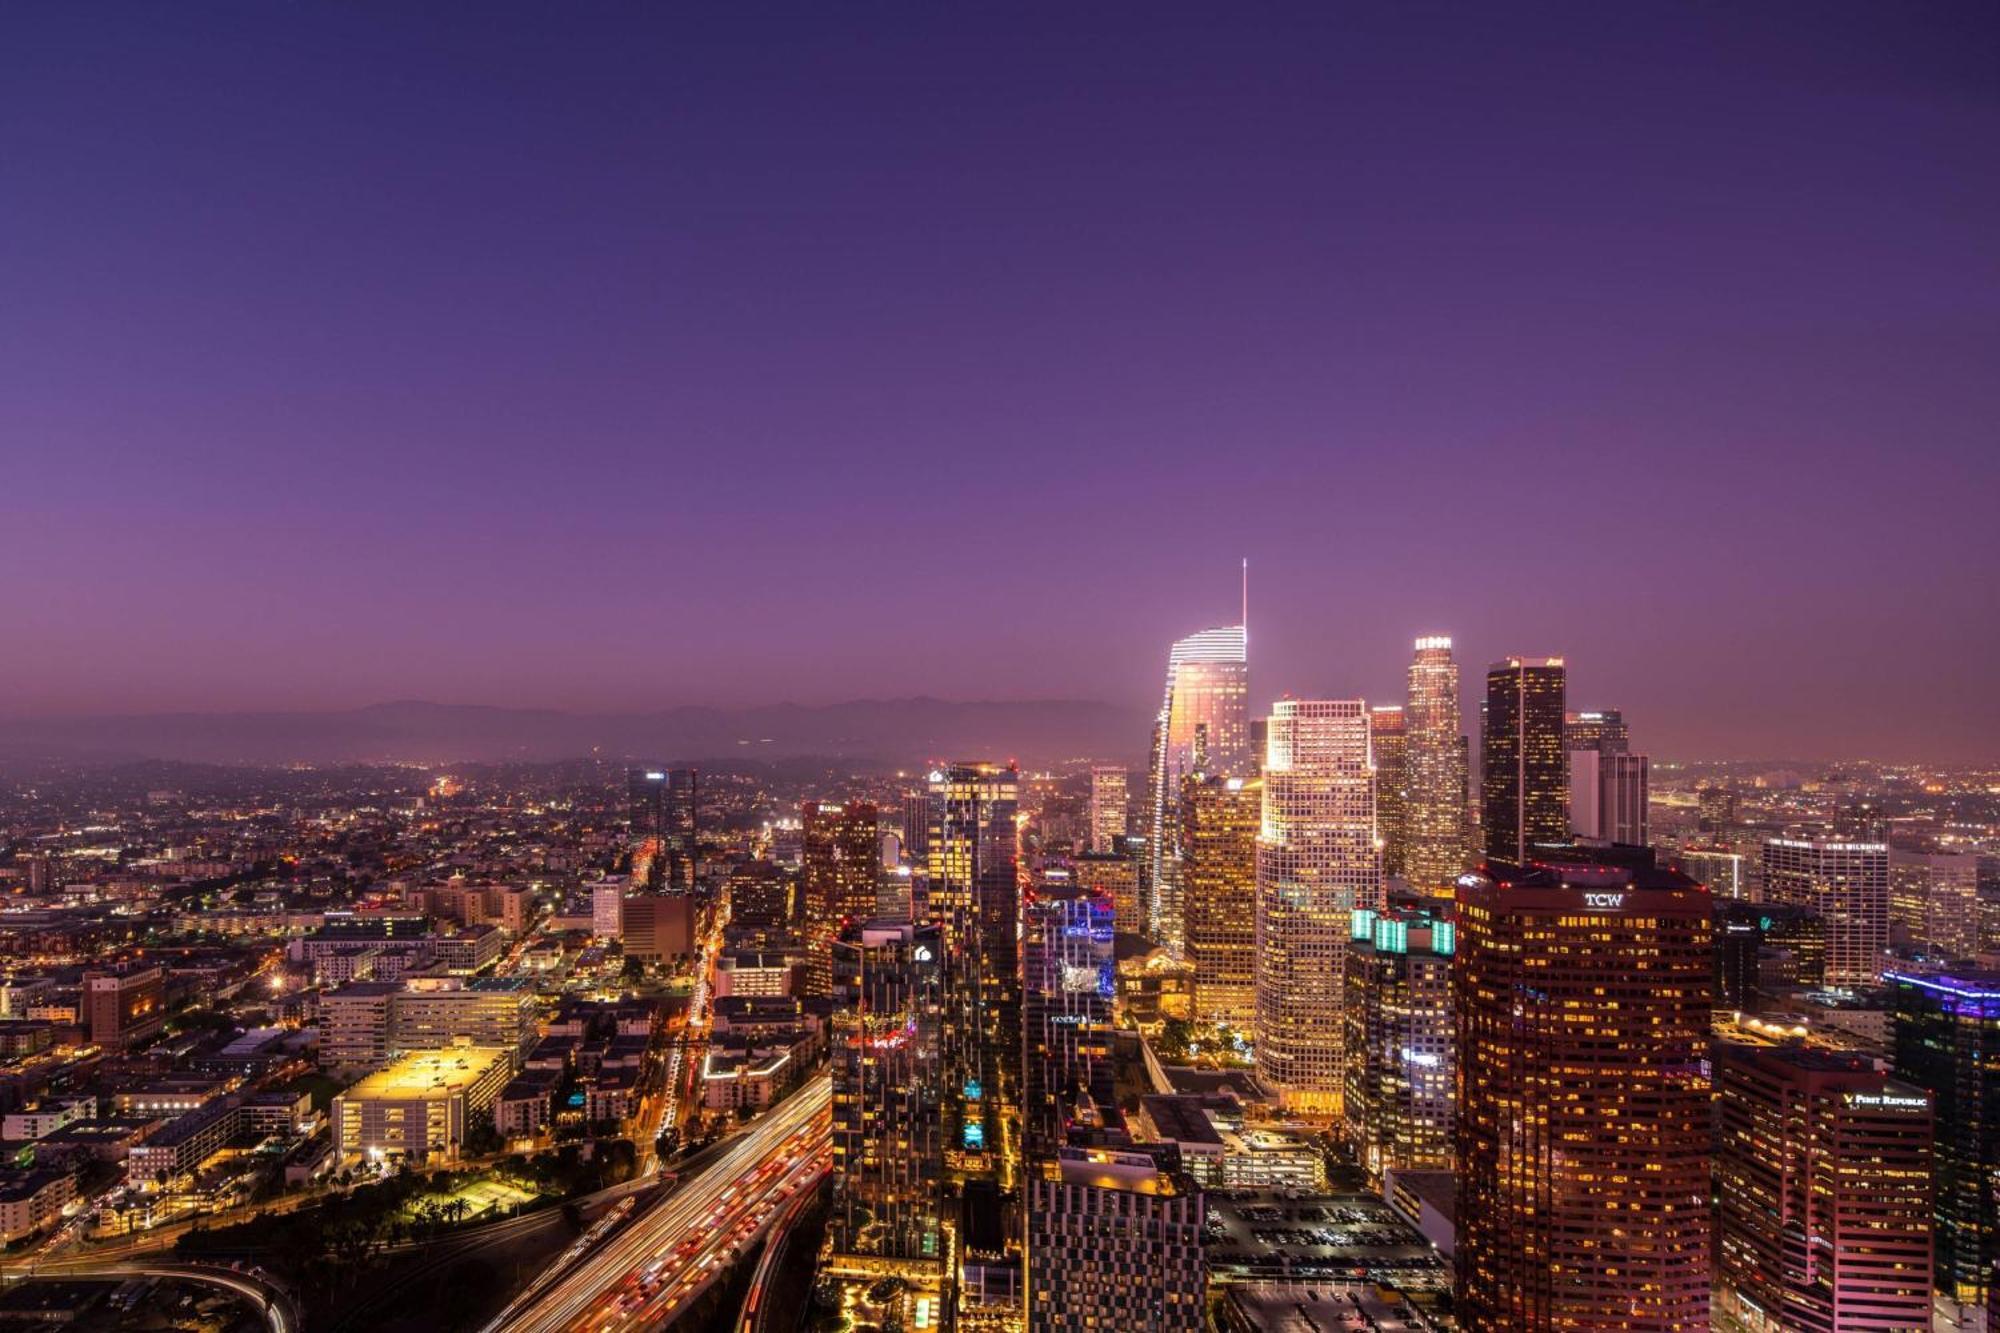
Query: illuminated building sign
x,y
1888,1101
1603,902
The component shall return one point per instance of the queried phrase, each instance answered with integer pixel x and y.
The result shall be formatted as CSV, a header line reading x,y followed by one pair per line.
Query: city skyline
x,y
324,391
583,742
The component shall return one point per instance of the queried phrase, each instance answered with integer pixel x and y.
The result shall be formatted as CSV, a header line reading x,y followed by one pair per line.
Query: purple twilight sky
x,y
621,355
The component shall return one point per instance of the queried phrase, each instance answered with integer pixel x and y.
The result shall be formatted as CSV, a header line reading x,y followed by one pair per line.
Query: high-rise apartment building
x,y
1823,1193
971,896
1114,1242
1847,885
1316,863
1524,770
1068,986
840,871
1203,725
1219,822
1607,796
1399,1039
1433,770
1108,806
888,1097
1388,743
1947,1041
1581,1000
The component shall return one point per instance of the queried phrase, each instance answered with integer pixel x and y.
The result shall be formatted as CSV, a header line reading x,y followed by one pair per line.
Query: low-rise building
x,y
524,1105
421,1105
46,1117
31,1203
733,1078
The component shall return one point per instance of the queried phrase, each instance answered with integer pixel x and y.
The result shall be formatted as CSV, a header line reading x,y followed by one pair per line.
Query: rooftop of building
x,y
104,1129
15,1188
1113,1169
1576,866
1317,1307
425,1073
1181,1118
1964,984
1352,1237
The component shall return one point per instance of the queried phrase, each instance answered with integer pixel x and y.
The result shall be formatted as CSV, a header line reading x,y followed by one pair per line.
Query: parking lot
x,y
1354,1238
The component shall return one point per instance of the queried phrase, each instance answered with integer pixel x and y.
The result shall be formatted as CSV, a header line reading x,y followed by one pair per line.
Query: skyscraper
x,y
1717,807
1524,770
1399,1038
1823,1193
1947,1041
1114,1242
1116,876
1068,984
1107,806
1316,863
839,874
971,895
1433,770
1608,793
1847,885
1220,817
666,803
1205,714
1603,730
1581,1001
1387,741
888,1095
646,799
1763,947
1724,872
1944,921
917,826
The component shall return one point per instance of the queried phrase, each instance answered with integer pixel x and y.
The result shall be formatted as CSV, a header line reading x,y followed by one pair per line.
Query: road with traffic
x,y
650,1268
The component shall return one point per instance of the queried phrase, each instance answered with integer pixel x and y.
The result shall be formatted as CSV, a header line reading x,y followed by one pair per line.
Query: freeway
x,y
669,1249
267,1298
756,1312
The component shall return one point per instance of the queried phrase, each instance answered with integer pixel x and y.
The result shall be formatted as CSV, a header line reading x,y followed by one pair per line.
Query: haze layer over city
x,y
1014,669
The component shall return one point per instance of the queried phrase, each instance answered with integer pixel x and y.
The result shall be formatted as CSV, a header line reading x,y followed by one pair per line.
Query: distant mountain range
x,y
887,730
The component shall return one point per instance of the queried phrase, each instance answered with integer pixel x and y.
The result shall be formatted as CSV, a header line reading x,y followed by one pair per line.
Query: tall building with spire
x,y
1316,863
1203,725
1524,770
1433,769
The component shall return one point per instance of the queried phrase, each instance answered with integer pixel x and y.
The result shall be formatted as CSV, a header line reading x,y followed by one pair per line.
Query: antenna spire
x,y
1246,597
